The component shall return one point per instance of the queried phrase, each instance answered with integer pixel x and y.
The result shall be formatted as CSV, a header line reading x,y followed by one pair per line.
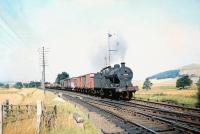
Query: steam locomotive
x,y
114,82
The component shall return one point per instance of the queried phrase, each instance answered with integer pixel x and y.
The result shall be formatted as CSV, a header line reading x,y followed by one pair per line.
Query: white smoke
x,y
118,47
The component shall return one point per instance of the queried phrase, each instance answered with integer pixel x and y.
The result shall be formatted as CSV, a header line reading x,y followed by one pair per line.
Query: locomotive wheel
x,y
116,95
124,95
95,93
102,94
130,95
110,94
92,92
127,95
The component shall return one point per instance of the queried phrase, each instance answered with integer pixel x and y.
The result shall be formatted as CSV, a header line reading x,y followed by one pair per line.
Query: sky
x,y
149,35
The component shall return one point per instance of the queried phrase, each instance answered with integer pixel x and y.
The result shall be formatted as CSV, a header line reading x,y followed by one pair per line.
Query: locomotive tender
x,y
112,82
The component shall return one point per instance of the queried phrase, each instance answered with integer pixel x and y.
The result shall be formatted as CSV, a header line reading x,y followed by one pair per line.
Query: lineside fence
x,y
44,116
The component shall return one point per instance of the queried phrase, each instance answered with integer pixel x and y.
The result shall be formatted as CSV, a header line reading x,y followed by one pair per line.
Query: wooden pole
x,y
55,111
39,113
1,119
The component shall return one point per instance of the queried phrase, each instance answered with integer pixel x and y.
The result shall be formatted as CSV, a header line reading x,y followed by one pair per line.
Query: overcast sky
x,y
149,35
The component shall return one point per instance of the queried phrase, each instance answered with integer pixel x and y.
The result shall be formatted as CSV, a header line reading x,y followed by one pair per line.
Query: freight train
x,y
114,82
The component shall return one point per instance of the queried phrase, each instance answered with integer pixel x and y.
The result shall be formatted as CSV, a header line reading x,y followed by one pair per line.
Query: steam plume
x,y
118,44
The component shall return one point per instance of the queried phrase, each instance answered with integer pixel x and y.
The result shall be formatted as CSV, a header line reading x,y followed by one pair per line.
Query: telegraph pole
x,y
43,66
43,53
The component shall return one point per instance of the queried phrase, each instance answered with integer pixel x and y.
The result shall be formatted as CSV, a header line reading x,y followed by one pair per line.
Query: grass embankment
x,y
64,122
165,91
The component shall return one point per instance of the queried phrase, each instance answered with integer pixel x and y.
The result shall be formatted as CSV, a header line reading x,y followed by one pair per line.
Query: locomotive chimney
x,y
116,66
123,64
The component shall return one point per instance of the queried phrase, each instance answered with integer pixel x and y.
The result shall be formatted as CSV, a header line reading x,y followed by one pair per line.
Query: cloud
x,y
157,46
76,34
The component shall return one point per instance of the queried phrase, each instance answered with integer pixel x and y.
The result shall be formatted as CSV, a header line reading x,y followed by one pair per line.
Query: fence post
x,y
1,119
11,107
5,107
55,110
39,112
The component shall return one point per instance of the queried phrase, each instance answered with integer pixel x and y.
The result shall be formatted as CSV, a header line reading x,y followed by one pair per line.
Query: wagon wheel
x,y
116,95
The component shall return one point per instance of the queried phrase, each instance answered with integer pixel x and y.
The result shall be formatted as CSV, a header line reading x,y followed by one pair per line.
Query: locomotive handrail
x,y
105,68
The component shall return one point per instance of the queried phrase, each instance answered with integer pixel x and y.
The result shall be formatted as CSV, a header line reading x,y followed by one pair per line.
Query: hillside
x,y
166,74
192,70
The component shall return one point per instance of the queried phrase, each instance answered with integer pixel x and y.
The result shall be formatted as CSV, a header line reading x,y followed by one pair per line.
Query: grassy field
x,y
64,122
165,90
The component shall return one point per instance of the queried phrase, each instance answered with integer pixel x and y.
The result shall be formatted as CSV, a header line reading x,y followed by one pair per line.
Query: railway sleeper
x,y
133,131
162,128
145,122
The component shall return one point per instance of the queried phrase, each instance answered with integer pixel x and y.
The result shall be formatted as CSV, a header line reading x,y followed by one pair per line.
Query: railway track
x,y
171,118
193,119
167,106
128,126
138,117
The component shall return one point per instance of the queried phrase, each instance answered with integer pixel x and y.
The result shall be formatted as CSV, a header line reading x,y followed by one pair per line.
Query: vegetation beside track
x,y
64,122
166,91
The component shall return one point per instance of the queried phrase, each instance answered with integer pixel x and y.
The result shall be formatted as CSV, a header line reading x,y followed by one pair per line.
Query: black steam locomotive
x,y
115,81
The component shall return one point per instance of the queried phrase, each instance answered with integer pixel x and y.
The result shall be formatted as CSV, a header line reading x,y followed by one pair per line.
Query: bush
x,y
6,86
61,76
18,85
183,82
147,84
1,84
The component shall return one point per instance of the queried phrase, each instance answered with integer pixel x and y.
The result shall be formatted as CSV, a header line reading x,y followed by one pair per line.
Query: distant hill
x,y
193,70
166,74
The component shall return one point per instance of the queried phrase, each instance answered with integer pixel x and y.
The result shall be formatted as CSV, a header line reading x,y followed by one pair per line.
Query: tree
x,y
6,86
198,93
37,84
26,85
18,85
32,84
183,82
147,84
61,76
1,84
